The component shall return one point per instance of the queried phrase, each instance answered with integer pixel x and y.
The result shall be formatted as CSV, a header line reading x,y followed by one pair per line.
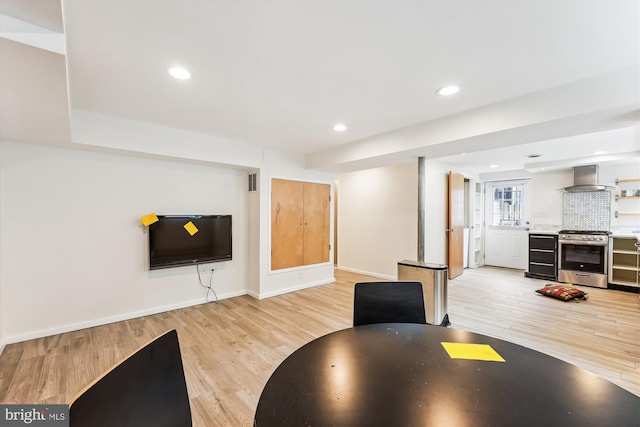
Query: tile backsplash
x,y
586,210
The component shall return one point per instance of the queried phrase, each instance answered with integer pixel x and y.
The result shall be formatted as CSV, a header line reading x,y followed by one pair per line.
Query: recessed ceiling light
x,y
180,73
493,166
533,156
339,127
448,90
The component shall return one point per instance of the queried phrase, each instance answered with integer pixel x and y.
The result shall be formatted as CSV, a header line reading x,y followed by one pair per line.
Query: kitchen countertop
x,y
543,231
535,231
615,233
626,235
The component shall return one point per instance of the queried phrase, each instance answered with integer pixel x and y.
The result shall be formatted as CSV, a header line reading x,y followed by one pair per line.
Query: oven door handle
x,y
585,243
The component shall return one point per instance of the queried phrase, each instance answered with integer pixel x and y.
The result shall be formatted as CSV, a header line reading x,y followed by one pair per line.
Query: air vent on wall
x,y
253,182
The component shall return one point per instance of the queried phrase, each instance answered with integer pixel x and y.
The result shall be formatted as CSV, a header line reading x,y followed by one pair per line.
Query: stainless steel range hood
x,y
585,178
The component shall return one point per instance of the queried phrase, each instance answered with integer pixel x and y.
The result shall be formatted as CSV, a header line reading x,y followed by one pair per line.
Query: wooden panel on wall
x,y
317,200
287,198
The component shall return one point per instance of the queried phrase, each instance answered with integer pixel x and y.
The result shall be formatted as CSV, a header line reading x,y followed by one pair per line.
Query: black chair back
x,y
147,388
388,302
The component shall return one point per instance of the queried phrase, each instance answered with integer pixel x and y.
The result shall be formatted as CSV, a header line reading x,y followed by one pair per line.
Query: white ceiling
x,y
609,146
282,73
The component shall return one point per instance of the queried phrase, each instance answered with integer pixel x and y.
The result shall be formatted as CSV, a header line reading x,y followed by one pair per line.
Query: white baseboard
x,y
253,294
111,319
291,289
132,315
367,273
2,346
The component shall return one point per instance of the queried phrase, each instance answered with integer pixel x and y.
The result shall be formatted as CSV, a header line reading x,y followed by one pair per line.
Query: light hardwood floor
x,y
230,349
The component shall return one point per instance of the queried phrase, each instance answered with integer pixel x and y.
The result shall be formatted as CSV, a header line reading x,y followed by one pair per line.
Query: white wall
x,y
107,132
378,217
73,251
546,196
437,202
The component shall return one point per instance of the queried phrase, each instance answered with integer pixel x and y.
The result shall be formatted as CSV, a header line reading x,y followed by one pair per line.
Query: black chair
x,y
388,302
147,388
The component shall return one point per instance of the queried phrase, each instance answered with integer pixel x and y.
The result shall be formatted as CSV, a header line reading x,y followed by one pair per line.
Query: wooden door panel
x,y
287,230
455,239
317,201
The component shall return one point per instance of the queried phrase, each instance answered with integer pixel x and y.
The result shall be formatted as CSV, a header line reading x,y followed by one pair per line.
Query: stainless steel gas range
x,y
583,257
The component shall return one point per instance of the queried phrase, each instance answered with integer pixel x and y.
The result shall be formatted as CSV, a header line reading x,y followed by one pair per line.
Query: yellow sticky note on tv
x,y
192,229
472,351
147,220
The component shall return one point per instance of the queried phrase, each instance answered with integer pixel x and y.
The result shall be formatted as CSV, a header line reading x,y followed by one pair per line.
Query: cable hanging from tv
x,y
209,288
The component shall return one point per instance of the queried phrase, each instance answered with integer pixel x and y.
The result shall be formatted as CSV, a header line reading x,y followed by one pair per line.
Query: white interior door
x,y
508,207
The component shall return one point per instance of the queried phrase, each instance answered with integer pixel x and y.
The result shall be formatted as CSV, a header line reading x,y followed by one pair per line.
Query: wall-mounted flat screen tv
x,y
173,245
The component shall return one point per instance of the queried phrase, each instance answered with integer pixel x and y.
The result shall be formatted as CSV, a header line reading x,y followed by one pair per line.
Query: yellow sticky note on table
x,y
458,350
192,229
147,220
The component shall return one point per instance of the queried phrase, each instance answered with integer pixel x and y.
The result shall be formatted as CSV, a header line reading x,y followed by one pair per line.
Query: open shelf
x,y
625,262
627,197
624,245
477,225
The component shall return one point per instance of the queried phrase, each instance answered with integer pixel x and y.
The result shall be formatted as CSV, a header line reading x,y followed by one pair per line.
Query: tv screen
x,y
173,245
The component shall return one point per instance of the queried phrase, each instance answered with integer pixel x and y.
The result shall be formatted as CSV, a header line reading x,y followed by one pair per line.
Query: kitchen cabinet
x,y
625,261
543,256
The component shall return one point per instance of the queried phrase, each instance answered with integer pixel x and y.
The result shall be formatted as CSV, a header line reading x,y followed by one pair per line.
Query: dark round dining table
x,y
394,374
